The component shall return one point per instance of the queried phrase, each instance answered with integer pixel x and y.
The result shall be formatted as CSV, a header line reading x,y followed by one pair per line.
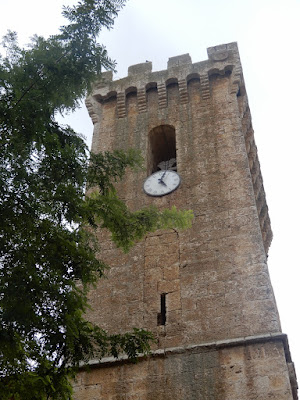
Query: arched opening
x,y
111,96
152,96
194,89
162,148
131,100
172,90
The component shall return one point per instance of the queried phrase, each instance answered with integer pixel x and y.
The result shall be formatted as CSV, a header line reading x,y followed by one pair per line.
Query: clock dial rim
x,y
170,190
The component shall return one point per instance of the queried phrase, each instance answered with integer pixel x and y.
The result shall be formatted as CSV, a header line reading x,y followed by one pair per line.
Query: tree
x,y
47,244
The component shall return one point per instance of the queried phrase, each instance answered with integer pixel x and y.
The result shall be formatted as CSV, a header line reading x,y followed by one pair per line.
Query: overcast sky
x,y
268,33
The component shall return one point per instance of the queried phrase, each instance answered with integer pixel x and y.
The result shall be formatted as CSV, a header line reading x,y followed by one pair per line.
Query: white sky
x,y
268,33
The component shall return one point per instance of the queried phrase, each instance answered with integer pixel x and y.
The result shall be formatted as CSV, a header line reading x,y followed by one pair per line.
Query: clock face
x,y
161,183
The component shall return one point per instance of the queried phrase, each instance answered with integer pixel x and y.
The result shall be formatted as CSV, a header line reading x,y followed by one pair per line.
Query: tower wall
x,y
221,338
254,371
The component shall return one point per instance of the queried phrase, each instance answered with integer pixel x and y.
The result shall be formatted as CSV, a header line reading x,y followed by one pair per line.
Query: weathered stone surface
x,y
252,371
214,276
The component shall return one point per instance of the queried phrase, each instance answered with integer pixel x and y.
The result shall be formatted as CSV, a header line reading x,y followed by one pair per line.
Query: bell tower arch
x,y
204,292
162,148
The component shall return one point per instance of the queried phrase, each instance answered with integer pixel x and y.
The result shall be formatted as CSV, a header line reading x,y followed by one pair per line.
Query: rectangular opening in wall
x,y
162,149
162,315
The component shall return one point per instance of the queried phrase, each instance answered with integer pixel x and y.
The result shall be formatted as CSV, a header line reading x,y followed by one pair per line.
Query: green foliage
x,y
107,168
127,227
47,258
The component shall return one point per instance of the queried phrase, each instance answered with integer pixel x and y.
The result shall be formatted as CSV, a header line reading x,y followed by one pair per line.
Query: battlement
x,y
180,69
179,61
138,69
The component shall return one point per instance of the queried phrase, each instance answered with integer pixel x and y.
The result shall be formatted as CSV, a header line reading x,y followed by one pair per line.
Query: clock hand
x,y
163,175
160,180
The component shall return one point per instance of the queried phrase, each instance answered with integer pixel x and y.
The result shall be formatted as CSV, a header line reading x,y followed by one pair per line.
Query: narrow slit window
x,y
162,315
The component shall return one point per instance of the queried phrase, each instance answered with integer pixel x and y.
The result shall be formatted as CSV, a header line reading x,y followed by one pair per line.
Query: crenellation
x,y
180,68
105,79
140,69
179,61
222,52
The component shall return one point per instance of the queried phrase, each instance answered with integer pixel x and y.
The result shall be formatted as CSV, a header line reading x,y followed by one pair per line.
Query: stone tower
x,y
205,292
